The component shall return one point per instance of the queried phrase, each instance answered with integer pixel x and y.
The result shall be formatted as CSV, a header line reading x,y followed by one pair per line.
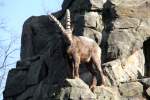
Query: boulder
x,y
90,33
16,82
27,94
107,93
148,91
131,89
89,25
75,89
131,69
89,19
145,81
78,5
132,8
133,98
126,26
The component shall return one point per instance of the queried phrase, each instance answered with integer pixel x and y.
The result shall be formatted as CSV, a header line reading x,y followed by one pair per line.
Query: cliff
x,y
120,27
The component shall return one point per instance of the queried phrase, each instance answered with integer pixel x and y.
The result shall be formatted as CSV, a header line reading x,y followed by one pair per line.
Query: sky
x,y
13,13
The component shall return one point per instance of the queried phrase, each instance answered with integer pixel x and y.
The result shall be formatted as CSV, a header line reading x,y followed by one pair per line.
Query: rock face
x,y
120,27
132,69
148,91
75,89
131,89
107,93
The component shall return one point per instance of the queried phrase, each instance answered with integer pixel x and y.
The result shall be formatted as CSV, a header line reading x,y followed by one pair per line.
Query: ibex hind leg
x,y
97,62
71,68
93,83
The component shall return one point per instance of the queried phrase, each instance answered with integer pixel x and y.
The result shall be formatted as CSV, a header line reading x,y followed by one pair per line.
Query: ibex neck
x,y
69,36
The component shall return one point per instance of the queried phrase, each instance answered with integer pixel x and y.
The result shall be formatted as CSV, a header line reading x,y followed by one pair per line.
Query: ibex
x,y
82,50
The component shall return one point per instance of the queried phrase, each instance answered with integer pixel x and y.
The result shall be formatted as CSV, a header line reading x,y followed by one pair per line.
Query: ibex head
x,y
66,30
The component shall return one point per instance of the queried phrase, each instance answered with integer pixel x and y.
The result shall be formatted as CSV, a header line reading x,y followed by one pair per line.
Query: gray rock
x,y
130,8
125,26
77,5
67,3
36,40
131,89
75,89
124,71
90,33
89,19
16,82
146,81
89,25
148,91
107,93
133,98
27,94
93,34
36,68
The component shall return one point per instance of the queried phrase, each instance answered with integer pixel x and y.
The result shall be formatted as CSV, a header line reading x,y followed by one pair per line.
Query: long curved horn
x,y
57,22
68,20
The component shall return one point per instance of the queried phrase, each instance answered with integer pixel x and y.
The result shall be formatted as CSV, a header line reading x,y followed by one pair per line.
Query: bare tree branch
x,y
8,51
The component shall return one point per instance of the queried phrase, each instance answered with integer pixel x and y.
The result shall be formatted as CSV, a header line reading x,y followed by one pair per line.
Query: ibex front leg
x,y
94,73
73,64
76,66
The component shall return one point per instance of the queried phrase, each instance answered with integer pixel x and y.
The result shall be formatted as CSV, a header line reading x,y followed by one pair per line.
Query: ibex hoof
x,y
77,77
92,88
